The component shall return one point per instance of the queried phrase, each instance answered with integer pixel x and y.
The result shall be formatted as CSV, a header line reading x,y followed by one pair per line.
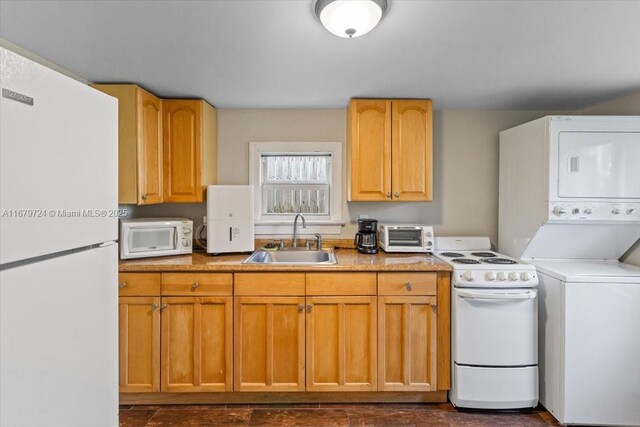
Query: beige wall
x,y
629,105
465,163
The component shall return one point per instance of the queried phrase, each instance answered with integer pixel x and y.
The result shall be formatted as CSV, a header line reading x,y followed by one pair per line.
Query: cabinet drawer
x,y
341,283
407,283
268,284
177,284
139,284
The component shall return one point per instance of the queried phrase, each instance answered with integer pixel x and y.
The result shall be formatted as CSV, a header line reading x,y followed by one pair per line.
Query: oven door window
x,y
152,239
405,237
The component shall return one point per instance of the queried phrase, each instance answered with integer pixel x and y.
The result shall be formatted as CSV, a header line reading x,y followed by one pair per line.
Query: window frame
x,y
281,224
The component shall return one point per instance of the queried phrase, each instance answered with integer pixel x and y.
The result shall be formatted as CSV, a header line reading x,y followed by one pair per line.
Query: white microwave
x,y
405,238
149,237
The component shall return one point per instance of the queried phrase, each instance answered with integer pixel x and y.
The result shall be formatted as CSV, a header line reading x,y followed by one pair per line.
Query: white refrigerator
x,y
58,255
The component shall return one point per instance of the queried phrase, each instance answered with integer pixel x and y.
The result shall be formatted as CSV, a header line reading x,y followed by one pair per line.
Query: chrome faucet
x,y
294,244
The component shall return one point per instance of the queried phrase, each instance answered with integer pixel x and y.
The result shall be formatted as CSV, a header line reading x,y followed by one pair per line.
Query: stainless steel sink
x,y
293,257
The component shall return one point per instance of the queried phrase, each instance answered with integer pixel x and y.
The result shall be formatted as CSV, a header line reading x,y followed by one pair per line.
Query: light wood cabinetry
x,y
390,150
196,344
140,162
139,344
189,144
269,344
176,332
407,343
341,343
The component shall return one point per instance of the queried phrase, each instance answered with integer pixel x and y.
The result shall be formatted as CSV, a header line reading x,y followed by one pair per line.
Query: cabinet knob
x,y
154,306
396,194
309,308
300,308
163,306
409,286
388,195
434,307
143,197
122,285
195,285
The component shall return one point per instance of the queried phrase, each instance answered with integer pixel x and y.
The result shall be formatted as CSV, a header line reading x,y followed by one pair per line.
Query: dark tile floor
x,y
329,414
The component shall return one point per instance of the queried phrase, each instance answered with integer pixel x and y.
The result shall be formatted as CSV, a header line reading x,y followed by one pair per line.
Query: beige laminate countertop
x,y
348,260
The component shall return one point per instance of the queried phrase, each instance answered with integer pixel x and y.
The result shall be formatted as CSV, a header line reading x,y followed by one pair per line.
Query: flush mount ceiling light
x,y
350,18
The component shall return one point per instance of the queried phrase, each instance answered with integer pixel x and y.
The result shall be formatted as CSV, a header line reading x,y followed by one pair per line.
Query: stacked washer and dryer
x,y
570,205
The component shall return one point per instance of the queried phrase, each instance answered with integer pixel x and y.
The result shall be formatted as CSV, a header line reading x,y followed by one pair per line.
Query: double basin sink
x,y
292,256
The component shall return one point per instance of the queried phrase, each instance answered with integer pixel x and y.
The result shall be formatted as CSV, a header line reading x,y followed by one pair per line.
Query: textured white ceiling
x,y
274,53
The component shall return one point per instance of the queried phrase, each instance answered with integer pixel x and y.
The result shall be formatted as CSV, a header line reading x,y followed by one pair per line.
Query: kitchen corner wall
x,y
465,175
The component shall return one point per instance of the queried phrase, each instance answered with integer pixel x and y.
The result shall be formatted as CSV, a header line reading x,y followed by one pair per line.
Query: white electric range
x,y
494,321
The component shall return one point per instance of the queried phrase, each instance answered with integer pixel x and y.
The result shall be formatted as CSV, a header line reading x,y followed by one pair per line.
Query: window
x,y
292,178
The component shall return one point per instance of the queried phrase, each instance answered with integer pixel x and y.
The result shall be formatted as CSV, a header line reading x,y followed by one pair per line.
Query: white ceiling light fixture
x,y
350,18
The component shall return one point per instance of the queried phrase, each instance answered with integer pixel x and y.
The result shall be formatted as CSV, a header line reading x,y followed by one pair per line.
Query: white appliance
x,y
570,204
405,237
230,226
494,321
149,237
58,256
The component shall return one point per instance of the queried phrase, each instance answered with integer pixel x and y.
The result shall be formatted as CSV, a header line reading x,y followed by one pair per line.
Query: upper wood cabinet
x,y
140,144
189,143
390,150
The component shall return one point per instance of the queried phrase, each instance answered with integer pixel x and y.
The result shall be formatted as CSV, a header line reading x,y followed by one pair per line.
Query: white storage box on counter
x,y
230,225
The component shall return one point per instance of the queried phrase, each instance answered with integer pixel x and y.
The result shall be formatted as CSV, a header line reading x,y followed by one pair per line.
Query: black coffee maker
x,y
367,236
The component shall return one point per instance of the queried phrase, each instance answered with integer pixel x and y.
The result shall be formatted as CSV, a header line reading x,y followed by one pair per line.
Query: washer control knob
x,y
559,210
468,276
502,276
630,211
525,276
513,276
615,211
490,276
588,211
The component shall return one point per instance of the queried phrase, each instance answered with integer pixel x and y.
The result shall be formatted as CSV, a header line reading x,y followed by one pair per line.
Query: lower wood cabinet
x,y
269,344
139,344
341,343
407,337
196,344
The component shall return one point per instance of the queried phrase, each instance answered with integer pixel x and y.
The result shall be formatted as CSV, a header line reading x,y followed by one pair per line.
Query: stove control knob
x,y
468,276
502,276
490,276
525,276
588,211
513,276
615,211
559,210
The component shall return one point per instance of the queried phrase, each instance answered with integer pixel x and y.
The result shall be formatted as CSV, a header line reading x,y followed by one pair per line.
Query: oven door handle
x,y
497,296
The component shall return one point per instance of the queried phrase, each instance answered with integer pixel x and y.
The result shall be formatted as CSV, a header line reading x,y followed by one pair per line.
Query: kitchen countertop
x,y
348,260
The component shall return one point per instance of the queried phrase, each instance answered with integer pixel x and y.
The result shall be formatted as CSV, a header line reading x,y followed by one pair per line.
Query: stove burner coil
x,y
483,254
465,261
452,254
498,261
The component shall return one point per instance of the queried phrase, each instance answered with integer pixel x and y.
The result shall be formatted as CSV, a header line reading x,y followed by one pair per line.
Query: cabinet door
x,y
341,344
139,342
149,149
196,344
411,166
182,150
407,331
269,344
369,150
